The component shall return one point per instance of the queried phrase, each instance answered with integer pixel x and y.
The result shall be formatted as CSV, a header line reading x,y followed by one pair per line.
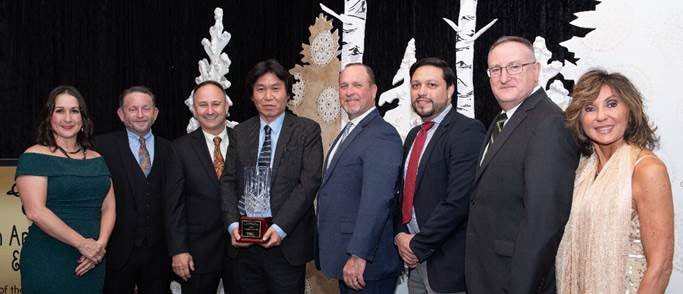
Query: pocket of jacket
x,y
502,247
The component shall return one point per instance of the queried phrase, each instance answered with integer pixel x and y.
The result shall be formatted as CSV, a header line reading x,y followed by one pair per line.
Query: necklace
x,y
66,153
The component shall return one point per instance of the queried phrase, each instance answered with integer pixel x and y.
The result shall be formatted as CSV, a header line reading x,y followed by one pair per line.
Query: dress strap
x,y
643,157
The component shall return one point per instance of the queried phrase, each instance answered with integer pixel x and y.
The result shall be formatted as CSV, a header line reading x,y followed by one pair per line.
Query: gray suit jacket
x,y
296,174
520,202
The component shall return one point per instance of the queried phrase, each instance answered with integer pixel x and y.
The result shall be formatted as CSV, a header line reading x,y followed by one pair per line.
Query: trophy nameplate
x,y
252,229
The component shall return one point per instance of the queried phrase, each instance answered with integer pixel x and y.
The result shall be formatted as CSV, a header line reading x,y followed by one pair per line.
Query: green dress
x,y
75,191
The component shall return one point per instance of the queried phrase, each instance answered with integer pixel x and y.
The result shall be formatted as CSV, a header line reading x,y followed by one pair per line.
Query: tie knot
x,y
141,140
502,117
267,129
217,140
348,126
427,125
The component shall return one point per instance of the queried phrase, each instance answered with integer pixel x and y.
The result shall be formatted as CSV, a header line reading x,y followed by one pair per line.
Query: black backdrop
x,y
104,46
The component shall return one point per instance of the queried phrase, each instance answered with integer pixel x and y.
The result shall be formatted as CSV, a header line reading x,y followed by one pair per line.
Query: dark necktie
x,y
500,122
411,173
143,157
218,161
266,149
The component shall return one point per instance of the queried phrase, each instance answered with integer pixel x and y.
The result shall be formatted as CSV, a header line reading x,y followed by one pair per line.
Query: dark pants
x,y
148,267
201,283
386,286
266,271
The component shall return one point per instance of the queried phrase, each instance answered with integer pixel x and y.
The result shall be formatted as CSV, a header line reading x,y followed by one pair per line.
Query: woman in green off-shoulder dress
x,y
66,192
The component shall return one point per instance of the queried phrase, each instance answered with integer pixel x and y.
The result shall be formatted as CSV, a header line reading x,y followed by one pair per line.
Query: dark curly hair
x,y
639,132
46,135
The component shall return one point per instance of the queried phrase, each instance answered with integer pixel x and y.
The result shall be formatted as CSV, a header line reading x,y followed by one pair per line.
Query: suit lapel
x,y
517,118
127,159
441,130
251,142
282,142
347,142
327,158
202,151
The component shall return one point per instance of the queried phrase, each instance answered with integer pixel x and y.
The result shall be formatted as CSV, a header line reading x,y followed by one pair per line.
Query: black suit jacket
x,y
129,187
520,203
296,174
441,200
194,208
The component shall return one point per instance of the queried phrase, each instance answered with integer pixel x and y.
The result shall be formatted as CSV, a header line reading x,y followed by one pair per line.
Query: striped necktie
x,y
266,149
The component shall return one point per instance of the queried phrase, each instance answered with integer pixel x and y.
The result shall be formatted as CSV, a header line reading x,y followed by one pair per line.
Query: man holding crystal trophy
x,y
269,187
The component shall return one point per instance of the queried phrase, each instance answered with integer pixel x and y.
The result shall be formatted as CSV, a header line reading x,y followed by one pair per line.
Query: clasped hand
x,y
271,239
92,253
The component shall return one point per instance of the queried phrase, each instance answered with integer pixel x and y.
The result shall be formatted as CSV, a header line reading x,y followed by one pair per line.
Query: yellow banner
x,y
13,230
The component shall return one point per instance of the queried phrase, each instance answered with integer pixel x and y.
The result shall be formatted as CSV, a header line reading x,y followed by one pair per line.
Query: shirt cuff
x,y
279,231
231,227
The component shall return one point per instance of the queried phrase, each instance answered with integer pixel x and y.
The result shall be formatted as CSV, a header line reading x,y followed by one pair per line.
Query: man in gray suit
x,y
292,147
523,185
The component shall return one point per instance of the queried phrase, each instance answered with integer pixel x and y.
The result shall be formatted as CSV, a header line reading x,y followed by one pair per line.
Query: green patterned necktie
x,y
500,122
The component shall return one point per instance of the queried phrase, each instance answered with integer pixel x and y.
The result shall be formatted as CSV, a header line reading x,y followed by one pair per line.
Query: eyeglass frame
x,y
507,69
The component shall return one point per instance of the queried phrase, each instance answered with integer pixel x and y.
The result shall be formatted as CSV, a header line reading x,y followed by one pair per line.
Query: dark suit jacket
x,y
520,203
295,179
441,200
356,199
129,187
194,211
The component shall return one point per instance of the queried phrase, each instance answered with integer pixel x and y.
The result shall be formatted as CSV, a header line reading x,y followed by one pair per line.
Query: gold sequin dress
x,y
601,251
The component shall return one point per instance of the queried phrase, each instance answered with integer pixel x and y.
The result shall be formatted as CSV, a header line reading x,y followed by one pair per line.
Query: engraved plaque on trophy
x,y
256,197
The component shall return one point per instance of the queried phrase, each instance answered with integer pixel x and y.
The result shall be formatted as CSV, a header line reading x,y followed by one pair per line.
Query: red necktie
x,y
411,174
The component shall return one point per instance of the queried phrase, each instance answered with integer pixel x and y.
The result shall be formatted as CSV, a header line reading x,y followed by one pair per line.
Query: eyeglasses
x,y
511,69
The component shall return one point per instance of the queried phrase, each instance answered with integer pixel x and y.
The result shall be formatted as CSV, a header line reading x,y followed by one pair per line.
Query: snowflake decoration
x,y
323,44
323,48
328,104
298,90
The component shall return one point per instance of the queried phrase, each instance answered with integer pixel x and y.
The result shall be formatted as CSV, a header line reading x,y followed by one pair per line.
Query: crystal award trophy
x,y
256,198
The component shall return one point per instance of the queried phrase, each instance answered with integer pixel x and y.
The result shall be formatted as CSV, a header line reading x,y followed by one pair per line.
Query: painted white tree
x,y
353,30
403,117
464,57
216,68
556,90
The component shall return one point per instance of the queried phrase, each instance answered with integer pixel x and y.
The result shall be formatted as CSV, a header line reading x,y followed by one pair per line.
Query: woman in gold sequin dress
x,y
619,237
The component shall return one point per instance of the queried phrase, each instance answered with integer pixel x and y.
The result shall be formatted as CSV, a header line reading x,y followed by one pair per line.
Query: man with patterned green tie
x,y
523,185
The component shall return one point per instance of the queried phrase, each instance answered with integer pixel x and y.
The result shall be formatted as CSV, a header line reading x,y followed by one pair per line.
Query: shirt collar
x,y
276,124
437,120
223,135
359,118
136,137
511,112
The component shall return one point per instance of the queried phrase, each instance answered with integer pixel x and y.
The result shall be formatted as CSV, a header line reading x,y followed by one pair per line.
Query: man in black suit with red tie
x,y
440,158
197,237
291,147
137,253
